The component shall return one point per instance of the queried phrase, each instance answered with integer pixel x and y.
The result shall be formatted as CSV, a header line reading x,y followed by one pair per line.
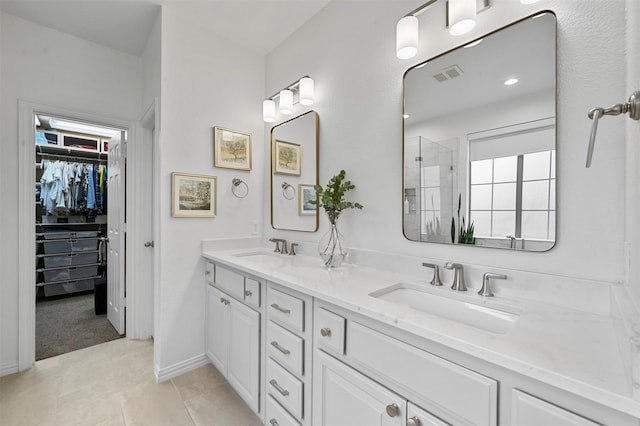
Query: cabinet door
x,y
244,352
217,328
527,410
344,396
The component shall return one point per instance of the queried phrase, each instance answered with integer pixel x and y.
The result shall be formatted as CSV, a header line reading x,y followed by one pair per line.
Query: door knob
x,y
149,244
393,410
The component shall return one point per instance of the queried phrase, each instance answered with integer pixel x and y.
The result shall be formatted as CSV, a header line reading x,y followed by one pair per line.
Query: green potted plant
x,y
332,199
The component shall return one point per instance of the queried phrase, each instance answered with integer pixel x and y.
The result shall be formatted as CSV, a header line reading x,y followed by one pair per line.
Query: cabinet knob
x,y
325,332
393,410
274,422
207,272
414,421
225,301
248,293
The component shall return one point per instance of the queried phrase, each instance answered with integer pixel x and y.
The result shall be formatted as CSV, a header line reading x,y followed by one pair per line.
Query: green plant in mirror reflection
x,y
465,233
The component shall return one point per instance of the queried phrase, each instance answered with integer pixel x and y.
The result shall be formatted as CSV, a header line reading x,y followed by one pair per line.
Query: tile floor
x,y
113,384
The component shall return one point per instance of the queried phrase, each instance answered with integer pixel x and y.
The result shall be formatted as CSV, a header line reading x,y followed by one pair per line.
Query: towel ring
x,y
239,188
288,191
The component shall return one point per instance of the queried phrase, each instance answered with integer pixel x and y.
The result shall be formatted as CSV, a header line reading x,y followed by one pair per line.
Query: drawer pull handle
x,y
325,332
274,422
278,308
414,421
280,348
393,410
248,293
225,301
279,388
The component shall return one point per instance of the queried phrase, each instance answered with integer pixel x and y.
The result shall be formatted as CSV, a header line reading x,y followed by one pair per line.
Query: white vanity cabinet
x,y
365,377
288,348
233,331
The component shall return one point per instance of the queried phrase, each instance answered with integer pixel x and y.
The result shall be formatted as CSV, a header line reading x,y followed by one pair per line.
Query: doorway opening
x,y
79,234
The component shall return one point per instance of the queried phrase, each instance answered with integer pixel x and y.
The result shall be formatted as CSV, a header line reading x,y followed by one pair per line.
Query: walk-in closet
x,y
71,236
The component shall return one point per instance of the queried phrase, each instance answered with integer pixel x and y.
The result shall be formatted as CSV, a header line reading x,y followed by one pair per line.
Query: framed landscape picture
x,y
193,195
306,193
231,149
287,158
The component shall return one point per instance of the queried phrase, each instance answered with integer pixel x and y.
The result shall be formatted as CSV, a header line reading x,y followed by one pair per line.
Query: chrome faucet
x,y
292,252
436,273
486,288
512,241
458,276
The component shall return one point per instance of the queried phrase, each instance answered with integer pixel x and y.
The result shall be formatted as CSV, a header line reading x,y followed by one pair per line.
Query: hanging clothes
x,y
73,188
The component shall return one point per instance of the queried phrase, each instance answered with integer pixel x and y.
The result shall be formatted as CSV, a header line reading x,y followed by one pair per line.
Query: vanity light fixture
x,y
286,102
461,18
303,88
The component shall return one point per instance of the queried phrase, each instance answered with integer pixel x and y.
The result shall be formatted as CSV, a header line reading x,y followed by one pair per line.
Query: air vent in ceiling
x,y
448,73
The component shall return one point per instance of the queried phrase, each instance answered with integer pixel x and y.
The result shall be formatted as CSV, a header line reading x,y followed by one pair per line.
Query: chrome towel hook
x,y
632,107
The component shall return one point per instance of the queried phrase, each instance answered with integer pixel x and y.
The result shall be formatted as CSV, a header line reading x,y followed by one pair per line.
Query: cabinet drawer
x,y
285,388
230,281
422,418
285,347
330,330
527,410
209,272
278,416
252,292
427,377
286,309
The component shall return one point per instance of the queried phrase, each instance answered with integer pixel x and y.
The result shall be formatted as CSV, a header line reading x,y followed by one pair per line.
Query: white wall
x,y
206,81
359,98
51,68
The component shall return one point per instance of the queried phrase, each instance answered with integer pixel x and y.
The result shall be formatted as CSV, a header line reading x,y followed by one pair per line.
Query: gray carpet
x,y
69,323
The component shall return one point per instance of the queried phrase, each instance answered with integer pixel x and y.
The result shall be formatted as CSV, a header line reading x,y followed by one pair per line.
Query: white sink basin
x,y
485,315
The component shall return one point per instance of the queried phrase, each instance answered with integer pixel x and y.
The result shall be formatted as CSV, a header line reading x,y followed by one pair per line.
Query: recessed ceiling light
x,y
510,81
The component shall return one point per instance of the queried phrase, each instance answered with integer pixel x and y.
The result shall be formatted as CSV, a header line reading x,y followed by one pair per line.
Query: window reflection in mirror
x,y
294,172
478,151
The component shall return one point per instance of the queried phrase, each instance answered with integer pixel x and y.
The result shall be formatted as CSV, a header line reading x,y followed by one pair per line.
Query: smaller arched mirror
x,y
294,172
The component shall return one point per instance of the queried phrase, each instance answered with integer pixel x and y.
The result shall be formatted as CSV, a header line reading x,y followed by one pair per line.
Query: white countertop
x,y
573,350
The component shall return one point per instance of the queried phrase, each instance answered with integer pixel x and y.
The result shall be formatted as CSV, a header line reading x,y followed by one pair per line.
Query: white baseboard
x,y
7,369
163,374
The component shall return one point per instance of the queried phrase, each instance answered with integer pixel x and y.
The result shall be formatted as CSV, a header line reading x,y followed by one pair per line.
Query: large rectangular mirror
x,y
479,141
294,172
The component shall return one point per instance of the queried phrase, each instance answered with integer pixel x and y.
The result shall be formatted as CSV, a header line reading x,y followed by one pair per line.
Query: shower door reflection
x,y
431,191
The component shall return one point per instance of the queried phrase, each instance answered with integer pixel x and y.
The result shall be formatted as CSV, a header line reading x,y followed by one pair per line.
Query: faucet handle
x,y
277,241
485,291
292,251
436,273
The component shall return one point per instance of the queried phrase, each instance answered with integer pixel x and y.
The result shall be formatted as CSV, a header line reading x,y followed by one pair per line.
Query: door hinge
x,y
123,302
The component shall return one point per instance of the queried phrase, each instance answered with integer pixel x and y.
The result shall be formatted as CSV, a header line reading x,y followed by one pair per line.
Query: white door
x,y
116,227
346,397
244,352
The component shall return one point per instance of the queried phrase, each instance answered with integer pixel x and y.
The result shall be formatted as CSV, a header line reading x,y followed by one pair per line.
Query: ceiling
x,y
124,25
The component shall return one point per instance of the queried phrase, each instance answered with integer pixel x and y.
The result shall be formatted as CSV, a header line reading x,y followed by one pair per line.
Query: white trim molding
x,y
163,374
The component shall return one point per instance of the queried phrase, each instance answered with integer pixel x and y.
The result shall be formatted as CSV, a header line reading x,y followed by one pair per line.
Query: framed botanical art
x,y
231,149
306,193
287,158
193,195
